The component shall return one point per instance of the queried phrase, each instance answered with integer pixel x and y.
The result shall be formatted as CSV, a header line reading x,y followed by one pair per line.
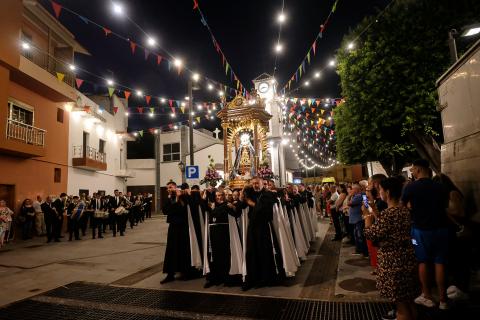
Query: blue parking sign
x,y
192,172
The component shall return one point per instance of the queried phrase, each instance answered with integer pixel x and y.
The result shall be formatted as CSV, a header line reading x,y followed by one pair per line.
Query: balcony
x,y
23,140
88,158
37,71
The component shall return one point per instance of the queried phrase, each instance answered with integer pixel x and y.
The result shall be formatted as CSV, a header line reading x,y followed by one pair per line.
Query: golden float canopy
x,y
238,116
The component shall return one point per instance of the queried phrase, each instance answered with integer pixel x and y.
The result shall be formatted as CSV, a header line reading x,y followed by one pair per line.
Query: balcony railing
x,y
46,62
89,153
25,133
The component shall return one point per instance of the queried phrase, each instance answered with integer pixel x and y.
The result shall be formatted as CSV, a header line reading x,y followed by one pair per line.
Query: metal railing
x,y
48,63
25,133
90,153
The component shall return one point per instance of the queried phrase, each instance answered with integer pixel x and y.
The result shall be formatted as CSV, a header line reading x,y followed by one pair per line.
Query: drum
x,y
99,214
120,210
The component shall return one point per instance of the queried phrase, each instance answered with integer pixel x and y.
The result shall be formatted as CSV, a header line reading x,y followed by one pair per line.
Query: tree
x,y
388,82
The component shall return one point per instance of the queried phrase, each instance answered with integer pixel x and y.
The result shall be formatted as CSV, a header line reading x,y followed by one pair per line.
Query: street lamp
x,y
468,31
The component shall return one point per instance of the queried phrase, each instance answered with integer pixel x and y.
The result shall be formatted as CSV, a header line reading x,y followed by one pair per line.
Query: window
x,y
20,112
57,175
101,146
171,152
83,192
59,115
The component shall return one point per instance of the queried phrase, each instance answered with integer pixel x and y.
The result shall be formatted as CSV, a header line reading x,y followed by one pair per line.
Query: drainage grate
x,y
91,301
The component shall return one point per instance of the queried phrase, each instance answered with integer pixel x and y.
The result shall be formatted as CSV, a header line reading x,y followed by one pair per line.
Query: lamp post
x,y
469,31
181,166
194,79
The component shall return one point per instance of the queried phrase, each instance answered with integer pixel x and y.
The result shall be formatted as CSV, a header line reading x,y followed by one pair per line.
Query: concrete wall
x,y
144,171
115,148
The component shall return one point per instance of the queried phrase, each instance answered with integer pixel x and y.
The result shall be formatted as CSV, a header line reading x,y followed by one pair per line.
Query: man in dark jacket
x,y
60,205
177,253
51,219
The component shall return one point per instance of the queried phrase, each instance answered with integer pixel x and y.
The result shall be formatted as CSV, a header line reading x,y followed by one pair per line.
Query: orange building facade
x,y
35,51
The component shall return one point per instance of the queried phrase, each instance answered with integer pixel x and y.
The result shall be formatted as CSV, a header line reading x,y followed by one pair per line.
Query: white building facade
x,y
97,145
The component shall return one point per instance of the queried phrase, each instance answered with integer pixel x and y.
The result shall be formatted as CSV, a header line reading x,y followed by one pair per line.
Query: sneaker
x,y
424,301
390,315
458,295
443,305
452,289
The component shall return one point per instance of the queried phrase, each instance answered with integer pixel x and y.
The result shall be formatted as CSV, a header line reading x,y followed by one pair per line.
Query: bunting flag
x,y
334,6
87,109
195,4
107,31
159,59
140,109
56,8
148,98
115,110
111,91
170,103
147,53
60,76
140,133
152,110
308,57
198,119
314,47
79,82
127,94
133,45
182,108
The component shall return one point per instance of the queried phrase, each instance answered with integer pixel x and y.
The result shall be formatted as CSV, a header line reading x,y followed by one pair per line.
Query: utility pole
x,y
157,173
190,120
452,45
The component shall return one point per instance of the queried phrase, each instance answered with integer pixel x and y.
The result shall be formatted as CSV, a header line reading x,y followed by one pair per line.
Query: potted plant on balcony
x,y
212,177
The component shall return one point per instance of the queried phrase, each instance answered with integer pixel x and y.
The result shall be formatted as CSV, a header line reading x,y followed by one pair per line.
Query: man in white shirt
x,y
40,226
335,215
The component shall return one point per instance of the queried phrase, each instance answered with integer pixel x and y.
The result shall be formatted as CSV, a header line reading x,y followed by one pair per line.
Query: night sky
x,y
245,29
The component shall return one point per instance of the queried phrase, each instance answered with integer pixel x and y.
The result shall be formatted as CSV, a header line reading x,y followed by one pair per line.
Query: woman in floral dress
x,y
5,220
397,266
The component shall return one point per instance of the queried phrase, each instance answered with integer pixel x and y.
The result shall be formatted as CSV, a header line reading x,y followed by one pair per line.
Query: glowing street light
x,y
25,45
317,75
331,63
151,114
172,115
139,93
210,86
151,41
278,48
307,83
110,82
196,77
281,18
177,63
72,67
163,100
351,45
220,93
117,8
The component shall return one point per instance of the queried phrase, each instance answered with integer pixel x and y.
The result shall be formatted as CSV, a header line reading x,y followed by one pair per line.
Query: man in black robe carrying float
x,y
261,260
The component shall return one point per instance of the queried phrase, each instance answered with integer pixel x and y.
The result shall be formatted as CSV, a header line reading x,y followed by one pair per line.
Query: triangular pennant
x,y
226,68
179,70
127,94
152,110
317,102
110,91
308,57
314,47
79,82
334,6
140,133
115,110
147,53
195,4
133,45
198,119
148,98
87,109
159,59
182,108
140,109
60,76
56,8
313,110
107,31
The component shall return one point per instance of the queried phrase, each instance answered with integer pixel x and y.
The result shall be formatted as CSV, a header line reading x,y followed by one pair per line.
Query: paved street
x,y
33,267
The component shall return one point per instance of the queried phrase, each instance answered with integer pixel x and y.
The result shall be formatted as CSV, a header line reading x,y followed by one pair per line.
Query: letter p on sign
x,y
192,172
